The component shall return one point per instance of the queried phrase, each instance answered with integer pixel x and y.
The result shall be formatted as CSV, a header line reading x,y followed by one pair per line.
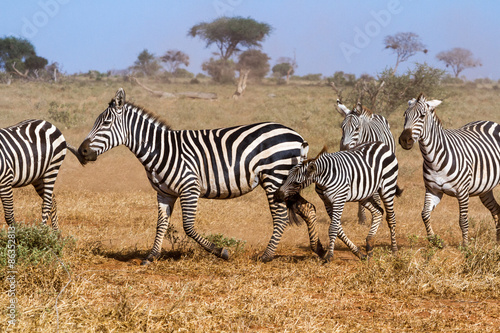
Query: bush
x,y
222,241
34,244
398,90
221,71
64,114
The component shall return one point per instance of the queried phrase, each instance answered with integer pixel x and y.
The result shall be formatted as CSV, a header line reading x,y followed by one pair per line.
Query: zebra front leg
x,y
165,208
430,202
8,204
307,212
189,205
489,202
53,214
372,205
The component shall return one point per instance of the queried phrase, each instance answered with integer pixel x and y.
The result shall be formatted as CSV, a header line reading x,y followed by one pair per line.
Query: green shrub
x,y
222,241
35,244
65,114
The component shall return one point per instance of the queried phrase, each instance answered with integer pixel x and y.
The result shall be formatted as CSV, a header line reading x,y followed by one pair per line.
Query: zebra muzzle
x,y
86,153
406,140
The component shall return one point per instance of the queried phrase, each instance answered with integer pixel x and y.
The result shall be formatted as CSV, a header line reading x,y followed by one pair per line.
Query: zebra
x,y
215,164
461,162
347,176
361,125
31,152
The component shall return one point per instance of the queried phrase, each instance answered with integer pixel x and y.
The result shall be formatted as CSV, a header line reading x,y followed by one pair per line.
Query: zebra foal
x,y
31,152
347,176
461,162
360,125
215,164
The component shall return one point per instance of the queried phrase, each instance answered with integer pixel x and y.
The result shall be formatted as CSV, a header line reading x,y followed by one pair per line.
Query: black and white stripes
x,y
351,175
460,162
31,152
216,164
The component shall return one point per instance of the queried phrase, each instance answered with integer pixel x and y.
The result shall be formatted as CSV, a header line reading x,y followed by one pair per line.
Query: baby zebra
x,y
31,152
346,176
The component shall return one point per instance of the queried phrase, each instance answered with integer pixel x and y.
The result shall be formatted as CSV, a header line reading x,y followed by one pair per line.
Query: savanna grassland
x,y
107,214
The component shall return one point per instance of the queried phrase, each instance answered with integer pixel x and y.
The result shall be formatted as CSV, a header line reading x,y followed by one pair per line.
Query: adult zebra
x,y
31,152
460,162
215,164
360,125
347,176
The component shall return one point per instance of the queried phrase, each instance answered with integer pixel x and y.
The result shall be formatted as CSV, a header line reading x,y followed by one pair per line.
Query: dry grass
x,y
110,209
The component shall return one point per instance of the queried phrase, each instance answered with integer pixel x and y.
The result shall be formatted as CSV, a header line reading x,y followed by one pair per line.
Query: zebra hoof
x,y
145,262
224,254
265,258
327,258
364,257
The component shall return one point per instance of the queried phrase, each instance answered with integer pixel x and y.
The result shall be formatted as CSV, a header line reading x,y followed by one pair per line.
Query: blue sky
x,y
325,36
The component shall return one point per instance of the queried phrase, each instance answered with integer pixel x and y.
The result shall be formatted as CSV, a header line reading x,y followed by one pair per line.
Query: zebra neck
x,y
433,143
146,135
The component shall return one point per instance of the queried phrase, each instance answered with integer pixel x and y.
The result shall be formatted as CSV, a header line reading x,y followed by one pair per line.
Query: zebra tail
x,y
399,191
76,153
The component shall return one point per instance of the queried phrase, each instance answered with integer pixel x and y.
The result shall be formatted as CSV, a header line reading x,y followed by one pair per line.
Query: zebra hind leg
x,y
372,205
45,191
361,215
489,202
307,212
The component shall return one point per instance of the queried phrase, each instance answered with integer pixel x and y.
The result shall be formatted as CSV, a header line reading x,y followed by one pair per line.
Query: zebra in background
x,y
346,176
215,164
31,152
460,162
360,125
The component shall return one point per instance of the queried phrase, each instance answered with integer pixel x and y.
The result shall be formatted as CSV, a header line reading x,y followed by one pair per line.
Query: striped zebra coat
x,y
346,176
460,162
31,153
360,125
215,164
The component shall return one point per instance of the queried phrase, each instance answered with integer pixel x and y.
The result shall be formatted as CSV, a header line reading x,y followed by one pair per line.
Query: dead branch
x,y
242,84
337,90
25,75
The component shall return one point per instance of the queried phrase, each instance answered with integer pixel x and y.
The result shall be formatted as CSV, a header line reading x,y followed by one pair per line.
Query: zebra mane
x,y
146,114
363,111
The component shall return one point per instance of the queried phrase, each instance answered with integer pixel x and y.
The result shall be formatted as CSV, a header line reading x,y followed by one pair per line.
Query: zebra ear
x,y
311,169
120,98
432,104
359,108
342,109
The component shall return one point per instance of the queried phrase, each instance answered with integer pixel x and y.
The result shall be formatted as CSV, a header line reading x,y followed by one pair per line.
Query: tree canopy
x,y
254,61
458,59
18,55
146,63
228,33
405,45
174,59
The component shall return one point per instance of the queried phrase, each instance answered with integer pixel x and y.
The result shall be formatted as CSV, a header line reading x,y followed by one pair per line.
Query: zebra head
x,y
351,126
416,117
299,177
108,130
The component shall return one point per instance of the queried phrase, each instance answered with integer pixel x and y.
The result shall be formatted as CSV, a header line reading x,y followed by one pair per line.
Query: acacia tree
x,y
405,45
146,63
458,59
229,34
18,56
284,68
174,59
